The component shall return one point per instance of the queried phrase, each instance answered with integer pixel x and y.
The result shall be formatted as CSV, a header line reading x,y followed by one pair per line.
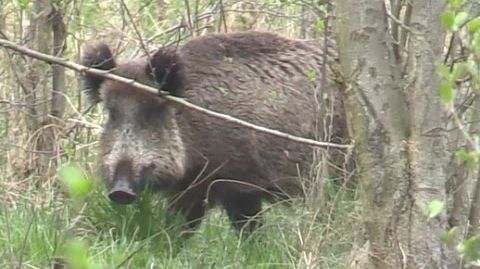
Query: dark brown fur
x,y
258,77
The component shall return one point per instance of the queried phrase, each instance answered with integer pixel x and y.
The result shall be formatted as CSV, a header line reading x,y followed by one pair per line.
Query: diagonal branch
x,y
179,101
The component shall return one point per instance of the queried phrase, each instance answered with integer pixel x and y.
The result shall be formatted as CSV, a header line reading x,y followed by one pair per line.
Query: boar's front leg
x,y
242,209
191,205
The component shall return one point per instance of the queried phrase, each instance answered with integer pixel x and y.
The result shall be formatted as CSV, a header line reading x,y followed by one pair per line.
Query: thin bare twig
x,y
223,17
135,28
175,100
399,22
406,21
449,50
396,6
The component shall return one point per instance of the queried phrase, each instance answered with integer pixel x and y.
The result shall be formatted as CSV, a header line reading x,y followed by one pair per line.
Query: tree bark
x,y
58,72
474,214
43,89
399,130
428,156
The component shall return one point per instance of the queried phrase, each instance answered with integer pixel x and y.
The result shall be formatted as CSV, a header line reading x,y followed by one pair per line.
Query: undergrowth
x,y
43,227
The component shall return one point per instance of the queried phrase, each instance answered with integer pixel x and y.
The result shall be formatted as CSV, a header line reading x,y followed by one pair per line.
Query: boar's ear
x,y
167,70
96,55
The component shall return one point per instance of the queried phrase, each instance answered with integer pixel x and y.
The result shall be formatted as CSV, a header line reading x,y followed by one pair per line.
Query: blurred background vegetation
x,y
46,126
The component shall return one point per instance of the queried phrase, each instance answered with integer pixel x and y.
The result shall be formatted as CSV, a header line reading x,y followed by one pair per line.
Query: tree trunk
x,y
428,155
58,72
399,129
43,90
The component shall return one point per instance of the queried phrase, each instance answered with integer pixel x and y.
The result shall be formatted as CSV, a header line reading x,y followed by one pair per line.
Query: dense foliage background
x,y
411,71
49,137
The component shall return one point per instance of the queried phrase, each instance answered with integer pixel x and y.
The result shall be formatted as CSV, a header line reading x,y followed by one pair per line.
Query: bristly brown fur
x,y
258,77
167,70
242,45
96,55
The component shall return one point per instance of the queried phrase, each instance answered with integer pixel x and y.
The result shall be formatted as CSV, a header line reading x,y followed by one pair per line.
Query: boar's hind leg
x,y
242,209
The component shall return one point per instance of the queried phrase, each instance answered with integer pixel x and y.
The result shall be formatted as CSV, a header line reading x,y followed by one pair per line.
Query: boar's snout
x,y
126,184
122,193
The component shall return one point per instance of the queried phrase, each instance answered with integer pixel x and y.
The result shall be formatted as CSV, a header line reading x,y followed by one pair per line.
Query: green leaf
x,y
460,18
458,71
472,263
320,25
311,75
468,248
75,181
223,90
273,94
23,4
76,254
447,19
469,157
447,93
449,236
473,26
455,3
444,71
435,208
476,44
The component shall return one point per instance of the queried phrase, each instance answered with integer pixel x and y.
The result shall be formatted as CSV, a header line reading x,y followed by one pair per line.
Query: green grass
x,y
90,232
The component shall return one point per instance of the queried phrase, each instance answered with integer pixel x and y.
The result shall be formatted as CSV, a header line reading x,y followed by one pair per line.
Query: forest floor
x,y
43,226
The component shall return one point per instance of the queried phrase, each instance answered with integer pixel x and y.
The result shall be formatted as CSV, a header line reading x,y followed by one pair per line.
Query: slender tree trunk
x,y
39,36
474,214
43,89
463,183
429,152
399,129
58,72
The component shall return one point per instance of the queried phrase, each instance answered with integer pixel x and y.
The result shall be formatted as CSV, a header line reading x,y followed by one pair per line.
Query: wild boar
x,y
259,77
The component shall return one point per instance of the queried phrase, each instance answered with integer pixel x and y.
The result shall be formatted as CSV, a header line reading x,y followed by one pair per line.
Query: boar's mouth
x,y
124,189
122,195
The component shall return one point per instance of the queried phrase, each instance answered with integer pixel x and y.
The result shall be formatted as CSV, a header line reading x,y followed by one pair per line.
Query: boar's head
x,y
141,143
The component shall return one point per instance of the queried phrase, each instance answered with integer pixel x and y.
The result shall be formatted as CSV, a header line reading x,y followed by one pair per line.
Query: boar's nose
x,y
122,193
123,189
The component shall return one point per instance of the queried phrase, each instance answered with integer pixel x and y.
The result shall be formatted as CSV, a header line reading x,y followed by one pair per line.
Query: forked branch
x,y
179,101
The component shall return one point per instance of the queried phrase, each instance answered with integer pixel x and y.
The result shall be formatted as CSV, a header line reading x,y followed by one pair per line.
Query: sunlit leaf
x,y
476,44
319,25
469,157
448,236
76,254
23,4
435,207
273,94
460,18
447,19
75,181
474,25
444,71
458,71
473,263
223,90
447,92
468,248
455,3
312,75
